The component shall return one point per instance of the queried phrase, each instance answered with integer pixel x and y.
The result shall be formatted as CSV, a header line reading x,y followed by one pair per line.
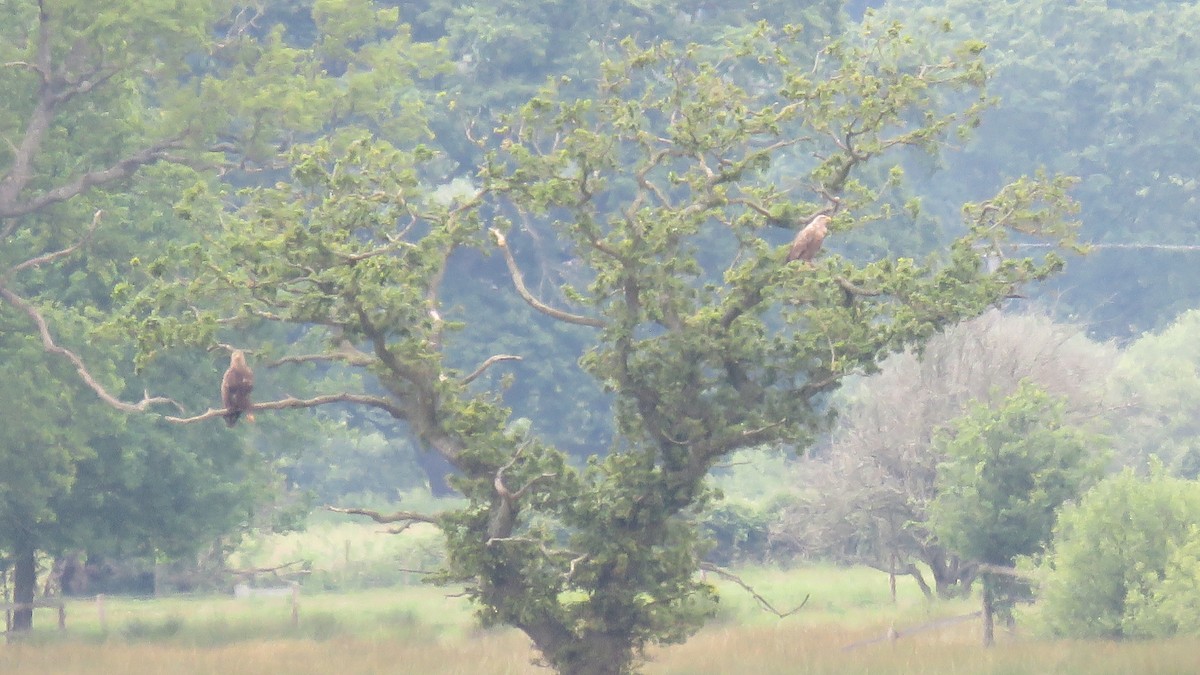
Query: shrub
x,y
1125,560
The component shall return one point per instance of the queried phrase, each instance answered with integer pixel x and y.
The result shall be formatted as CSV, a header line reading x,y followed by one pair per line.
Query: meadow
x,y
422,629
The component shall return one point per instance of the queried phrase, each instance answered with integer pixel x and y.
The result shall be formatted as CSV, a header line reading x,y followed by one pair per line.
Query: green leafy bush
x,y
1125,560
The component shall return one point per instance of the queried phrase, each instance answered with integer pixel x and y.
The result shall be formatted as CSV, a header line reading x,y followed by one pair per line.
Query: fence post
x,y
100,613
295,605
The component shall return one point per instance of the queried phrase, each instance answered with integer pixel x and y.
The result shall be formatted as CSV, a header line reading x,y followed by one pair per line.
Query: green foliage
x,y
1157,374
1123,560
1006,473
108,111
739,531
664,185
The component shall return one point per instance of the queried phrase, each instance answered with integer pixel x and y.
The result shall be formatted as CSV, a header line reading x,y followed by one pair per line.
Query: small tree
x,y
1006,473
1123,560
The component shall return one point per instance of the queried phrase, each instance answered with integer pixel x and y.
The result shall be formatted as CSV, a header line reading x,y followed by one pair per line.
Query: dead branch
x,y
519,282
386,518
763,602
50,347
292,402
492,360
894,634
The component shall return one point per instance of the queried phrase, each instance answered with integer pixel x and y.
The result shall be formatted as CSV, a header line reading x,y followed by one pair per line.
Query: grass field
x,y
423,630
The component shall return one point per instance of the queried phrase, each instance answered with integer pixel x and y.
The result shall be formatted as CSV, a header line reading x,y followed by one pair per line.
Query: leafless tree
x,y
864,500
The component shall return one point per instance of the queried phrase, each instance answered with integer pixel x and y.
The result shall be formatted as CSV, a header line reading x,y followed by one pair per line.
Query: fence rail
x,y
100,602
42,603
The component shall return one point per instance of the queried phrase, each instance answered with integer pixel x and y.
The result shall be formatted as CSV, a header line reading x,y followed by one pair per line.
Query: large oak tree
x,y
675,186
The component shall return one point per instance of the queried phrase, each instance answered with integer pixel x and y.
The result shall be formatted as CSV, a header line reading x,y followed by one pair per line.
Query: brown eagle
x,y
808,241
236,387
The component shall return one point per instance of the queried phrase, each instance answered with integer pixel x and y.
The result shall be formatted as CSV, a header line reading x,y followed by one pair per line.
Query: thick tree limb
x,y
10,207
293,402
352,357
51,347
523,291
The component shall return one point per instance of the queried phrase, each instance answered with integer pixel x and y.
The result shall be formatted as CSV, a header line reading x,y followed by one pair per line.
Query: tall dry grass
x,y
423,630
762,650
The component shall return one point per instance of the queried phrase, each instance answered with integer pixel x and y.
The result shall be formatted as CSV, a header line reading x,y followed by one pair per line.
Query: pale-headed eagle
x,y
808,241
236,387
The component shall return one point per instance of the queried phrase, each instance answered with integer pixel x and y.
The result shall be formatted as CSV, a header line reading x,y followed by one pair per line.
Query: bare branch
x,y
492,360
519,283
50,347
384,519
893,634
251,571
1125,247
292,402
763,602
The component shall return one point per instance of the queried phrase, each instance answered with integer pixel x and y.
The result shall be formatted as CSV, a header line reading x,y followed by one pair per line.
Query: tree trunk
x,y
892,578
989,619
595,655
24,585
592,653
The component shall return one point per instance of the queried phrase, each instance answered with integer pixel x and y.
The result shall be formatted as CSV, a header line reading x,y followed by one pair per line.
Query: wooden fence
x,y
43,603
100,604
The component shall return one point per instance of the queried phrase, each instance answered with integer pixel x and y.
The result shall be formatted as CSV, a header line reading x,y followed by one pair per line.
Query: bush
x,y
1125,560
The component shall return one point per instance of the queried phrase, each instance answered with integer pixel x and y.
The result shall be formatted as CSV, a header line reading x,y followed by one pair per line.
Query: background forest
x,y
515,271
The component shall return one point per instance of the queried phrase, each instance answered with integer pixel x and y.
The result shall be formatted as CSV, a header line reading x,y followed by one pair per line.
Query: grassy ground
x,y
423,630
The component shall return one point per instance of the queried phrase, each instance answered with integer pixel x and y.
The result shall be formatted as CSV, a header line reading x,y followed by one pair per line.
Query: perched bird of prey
x,y
236,387
808,241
